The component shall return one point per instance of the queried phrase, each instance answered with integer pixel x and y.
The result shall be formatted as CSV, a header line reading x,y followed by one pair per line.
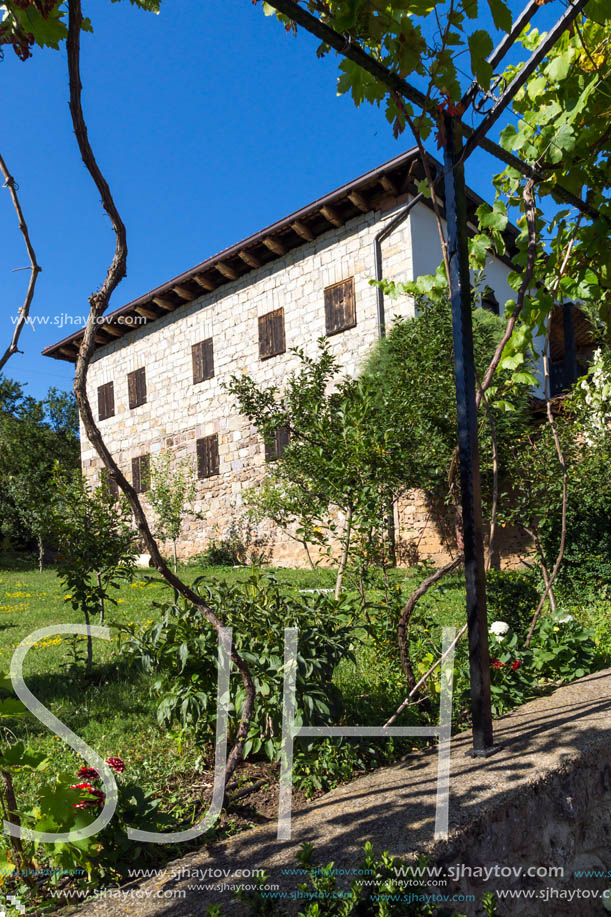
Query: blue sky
x,y
209,123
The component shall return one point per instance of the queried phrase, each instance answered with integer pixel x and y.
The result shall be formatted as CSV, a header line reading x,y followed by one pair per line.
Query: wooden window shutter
x,y
208,456
275,446
136,387
340,309
106,401
271,334
141,473
282,440
203,361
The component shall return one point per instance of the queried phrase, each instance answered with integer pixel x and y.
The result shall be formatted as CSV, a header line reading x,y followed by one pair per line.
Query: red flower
x,y
89,773
497,664
515,665
88,803
117,764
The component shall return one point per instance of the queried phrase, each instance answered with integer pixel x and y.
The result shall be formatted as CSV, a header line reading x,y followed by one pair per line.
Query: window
x,y
208,456
271,334
106,401
203,361
276,446
136,387
340,311
141,473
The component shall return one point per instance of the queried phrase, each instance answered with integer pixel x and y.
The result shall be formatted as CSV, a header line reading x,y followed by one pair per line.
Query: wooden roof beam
x,y
275,245
359,201
164,303
184,293
205,282
302,230
249,259
331,216
112,329
68,352
226,270
388,185
146,313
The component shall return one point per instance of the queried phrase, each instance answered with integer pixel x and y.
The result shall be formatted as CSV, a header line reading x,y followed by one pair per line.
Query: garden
x,y
141,703
369,630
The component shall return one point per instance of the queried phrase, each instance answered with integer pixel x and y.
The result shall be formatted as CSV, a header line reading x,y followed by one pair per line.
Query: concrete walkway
x,y
536,802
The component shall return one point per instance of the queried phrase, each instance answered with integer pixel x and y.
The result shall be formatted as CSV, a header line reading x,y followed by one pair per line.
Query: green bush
x,y
238,547
512,596
182,649
561,648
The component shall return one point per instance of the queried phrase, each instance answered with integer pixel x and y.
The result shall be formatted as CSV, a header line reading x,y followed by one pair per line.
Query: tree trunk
x,y
11,811
101,594
41,553
549,581
345,552
408,611
89,664
174,555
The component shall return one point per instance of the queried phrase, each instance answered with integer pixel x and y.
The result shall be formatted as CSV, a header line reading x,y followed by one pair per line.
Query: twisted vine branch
x,y
98,304
35,268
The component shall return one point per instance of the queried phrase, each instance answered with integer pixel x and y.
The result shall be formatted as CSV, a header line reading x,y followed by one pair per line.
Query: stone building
x,y
155,380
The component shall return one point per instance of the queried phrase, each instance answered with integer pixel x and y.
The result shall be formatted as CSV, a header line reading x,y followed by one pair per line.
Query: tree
x,y
34,435
356,445
171,495
96,544
341,466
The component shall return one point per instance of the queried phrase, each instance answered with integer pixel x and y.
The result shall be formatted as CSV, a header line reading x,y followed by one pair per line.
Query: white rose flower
x,y
499,629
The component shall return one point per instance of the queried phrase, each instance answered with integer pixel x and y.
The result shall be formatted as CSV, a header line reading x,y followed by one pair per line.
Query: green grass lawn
x,y
114,713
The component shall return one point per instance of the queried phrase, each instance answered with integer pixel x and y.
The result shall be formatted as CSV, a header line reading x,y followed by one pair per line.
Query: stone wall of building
x,y
178,412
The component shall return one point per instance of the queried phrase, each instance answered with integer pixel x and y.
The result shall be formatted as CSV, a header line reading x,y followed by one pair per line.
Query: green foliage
x,y
181,648
43,22
238,546
171,494
96,545
413,368
345,460
381,893
562,649
512,596
34,435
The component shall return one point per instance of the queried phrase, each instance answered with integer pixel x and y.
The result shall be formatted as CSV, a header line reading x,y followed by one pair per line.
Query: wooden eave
x,y
381,189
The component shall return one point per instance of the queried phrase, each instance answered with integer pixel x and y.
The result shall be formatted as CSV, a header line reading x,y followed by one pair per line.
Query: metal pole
x,y
464,371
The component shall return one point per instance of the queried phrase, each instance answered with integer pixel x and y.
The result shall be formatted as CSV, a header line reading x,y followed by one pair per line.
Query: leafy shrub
x,y
182,649
512,596
562,648
380,894
239,547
